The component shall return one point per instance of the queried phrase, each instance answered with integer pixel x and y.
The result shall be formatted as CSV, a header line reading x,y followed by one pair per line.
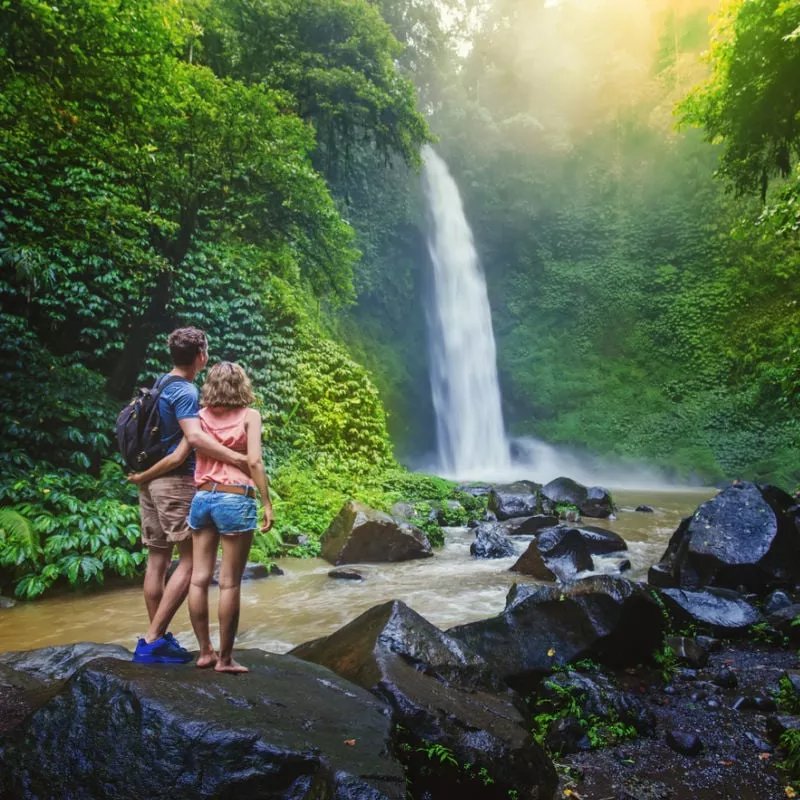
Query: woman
x,y
224,507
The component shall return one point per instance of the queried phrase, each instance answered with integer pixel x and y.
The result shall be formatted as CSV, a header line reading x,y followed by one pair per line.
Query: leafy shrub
x,y
58,525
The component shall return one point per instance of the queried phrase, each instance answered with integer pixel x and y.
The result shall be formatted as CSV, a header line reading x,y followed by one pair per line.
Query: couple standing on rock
x,y
190,502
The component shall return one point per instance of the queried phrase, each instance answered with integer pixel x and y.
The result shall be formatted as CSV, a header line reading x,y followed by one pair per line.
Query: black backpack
x,y
139,427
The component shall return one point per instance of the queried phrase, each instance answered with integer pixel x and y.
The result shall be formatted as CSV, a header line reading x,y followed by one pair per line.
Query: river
x,y
304,603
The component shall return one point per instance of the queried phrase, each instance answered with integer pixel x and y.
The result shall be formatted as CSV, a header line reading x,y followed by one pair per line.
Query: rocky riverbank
x,y
590,687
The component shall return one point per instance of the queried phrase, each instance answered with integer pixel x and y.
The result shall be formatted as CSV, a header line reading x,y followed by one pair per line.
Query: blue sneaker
x,y
161,651
174,642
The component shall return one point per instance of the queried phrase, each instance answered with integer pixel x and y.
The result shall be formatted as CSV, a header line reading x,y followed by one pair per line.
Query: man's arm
x,y
167,464
209,446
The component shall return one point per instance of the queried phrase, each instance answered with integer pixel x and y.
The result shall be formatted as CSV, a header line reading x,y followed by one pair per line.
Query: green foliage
x,y
790,742
568,702
751,99
64,526
786,698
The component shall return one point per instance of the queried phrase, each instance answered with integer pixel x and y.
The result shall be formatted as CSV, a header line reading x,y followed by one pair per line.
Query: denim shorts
x,y
228,513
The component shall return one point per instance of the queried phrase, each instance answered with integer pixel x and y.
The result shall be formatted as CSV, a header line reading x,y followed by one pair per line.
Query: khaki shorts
x,y
164,508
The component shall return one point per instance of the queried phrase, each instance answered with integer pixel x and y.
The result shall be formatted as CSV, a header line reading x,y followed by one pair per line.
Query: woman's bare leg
x,y
206,543
235,550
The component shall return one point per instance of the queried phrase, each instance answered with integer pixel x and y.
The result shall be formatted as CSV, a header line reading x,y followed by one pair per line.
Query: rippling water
x,y
281,612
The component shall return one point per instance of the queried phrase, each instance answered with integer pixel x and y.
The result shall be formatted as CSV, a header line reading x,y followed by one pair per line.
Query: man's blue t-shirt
x,y
179,400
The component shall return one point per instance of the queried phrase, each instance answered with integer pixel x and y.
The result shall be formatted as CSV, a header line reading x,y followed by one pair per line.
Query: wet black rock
x,y
253,571
558,554
726,679
20,694
360,534
528,526
720,611
598,698
685,742
346,575
52,664
689,651
783,619
598,503
709,643
491,542
564,491
777,725
566,735
758,742
520,499
127,731
7,602
745,536
660,576
645,509
775,601
600,542
754,703
609,619
624,565
440,692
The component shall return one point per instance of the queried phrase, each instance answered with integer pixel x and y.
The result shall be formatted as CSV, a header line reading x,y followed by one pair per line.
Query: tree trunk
x,y
122,380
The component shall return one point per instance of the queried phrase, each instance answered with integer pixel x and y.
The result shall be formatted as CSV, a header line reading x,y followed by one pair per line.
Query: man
x,y
164,501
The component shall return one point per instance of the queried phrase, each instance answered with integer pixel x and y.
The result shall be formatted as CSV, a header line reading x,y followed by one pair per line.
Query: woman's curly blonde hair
x,y
227,386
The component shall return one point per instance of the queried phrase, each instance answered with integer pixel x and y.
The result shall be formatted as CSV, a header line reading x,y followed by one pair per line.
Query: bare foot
x,y
206,660
230,666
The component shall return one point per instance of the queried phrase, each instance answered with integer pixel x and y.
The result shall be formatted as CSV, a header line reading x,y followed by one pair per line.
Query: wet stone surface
x,y
738,757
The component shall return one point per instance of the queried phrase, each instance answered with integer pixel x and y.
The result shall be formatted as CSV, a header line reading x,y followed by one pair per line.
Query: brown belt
x,y
247,491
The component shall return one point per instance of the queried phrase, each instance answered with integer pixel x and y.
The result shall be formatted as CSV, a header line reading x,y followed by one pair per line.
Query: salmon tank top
x,y
226,425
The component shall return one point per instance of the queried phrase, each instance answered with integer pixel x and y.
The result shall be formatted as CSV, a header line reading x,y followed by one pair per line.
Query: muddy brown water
x,y
281,612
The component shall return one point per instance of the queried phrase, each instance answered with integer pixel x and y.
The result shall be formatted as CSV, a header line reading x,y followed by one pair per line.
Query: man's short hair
x,y
185,344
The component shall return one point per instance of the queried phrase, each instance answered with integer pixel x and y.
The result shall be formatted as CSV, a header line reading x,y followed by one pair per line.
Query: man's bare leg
x,y
174,593
235,550
158,561
206,543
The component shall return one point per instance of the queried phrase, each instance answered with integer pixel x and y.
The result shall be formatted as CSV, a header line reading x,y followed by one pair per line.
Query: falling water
x,y
471,437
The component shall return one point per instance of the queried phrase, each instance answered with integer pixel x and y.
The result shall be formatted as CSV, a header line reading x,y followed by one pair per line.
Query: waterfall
x,y
471,437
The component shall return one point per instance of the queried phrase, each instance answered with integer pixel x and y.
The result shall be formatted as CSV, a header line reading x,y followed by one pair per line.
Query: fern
x,y
17,530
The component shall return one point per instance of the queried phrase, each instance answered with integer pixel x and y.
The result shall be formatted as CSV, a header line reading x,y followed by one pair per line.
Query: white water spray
x,y
471,437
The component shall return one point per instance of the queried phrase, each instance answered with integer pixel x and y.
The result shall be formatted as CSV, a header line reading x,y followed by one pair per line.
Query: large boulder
x,y
744,537
520,499
598,503
529,526
609,619
600,542
564,491
491,542
53,664
20,694
723,612
287,729
359,534
441,693
592,502
558,554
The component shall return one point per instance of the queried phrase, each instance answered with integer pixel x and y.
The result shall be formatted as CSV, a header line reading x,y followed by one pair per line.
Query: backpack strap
x,y
162,384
